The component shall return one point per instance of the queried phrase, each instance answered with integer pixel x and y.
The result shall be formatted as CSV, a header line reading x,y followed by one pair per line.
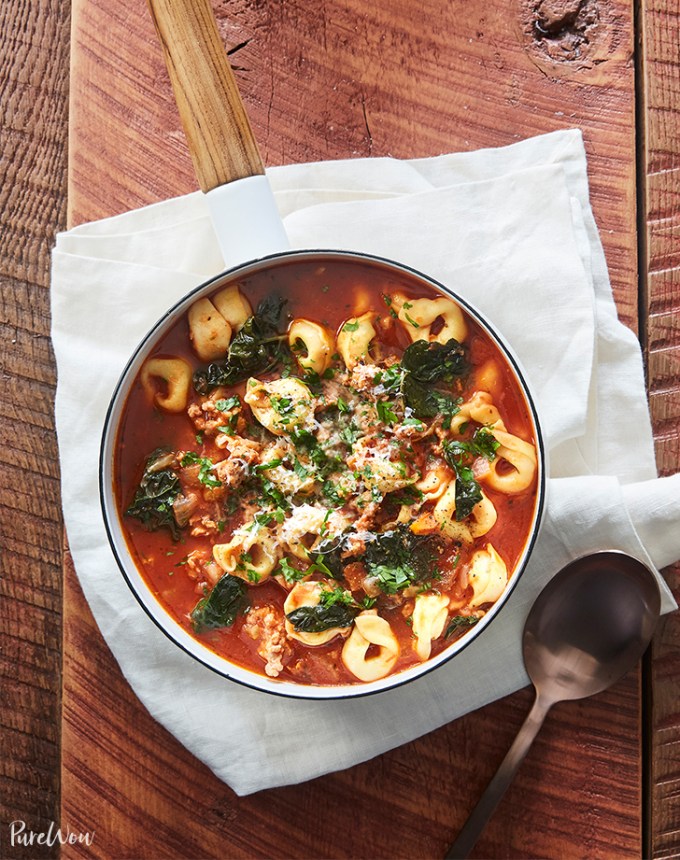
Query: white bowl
x,y
164,620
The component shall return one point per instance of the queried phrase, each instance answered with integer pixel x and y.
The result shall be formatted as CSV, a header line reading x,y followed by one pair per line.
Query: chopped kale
x,y
399,558
428,402
430,361
158,489
330,552
257,347
316,619
468,491
221,606
408,495
485,443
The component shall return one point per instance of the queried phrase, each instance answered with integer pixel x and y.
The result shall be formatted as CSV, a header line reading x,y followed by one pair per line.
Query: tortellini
x,y
251,554
354,339
488,378
175,375
280,405
434,481
212,322
233,305
210,333
444,514
377,469
370,629
488,576
312,345
419,315
429,617
479,408
286,478
308,594
302,529
484,516
520,455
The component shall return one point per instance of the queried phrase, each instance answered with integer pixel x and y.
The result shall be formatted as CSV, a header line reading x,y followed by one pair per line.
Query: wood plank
x,y
34,86
661,93
344,80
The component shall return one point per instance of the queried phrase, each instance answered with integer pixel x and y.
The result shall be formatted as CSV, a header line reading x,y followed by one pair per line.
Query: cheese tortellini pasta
x,y
354,339
173,374
429,618
311,343
370,630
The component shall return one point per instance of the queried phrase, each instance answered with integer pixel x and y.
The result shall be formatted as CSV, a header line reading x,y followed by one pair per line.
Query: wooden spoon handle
x,y
215,122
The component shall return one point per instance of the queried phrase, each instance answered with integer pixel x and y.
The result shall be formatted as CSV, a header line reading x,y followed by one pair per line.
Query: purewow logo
x,y
21,835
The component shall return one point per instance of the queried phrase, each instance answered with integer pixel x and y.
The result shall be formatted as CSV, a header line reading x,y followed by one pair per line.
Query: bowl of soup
x,y
322,474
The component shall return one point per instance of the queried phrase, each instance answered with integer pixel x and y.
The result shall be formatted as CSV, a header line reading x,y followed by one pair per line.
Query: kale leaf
x,y
429,362
256,348
422,365
468,491
158,489
427,402
399,558
220,607
316,619
330,551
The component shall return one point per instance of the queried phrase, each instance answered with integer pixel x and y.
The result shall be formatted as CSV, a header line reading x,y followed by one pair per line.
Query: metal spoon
x,y
587,628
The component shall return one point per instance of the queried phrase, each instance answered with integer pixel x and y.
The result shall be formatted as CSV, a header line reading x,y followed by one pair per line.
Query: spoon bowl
x,y
590,625
586,629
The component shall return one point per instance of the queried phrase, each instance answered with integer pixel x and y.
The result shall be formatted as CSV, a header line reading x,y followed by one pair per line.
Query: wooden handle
x,y
215,122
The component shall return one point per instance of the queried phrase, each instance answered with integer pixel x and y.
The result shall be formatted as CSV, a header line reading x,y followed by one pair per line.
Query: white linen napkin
x,y
511,229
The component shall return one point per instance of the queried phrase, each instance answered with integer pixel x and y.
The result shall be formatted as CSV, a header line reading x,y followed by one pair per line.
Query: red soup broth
x,y
328,294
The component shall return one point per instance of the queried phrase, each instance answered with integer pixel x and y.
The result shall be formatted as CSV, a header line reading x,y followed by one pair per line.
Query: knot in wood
x,y
565,29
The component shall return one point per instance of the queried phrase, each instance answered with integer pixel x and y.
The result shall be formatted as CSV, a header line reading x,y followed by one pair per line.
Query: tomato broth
x,y
334,494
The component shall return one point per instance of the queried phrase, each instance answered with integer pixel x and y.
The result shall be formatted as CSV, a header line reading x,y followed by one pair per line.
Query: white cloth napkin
x,y
511,229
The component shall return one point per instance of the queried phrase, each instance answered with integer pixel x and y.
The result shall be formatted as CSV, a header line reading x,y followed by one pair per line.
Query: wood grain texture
x,y
217,128
342,80
34,87
660,31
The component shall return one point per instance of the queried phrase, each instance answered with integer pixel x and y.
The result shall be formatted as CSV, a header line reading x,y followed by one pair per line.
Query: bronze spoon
x,y
587,628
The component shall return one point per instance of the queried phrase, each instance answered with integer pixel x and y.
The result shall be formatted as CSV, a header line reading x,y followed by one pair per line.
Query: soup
x,y
326,473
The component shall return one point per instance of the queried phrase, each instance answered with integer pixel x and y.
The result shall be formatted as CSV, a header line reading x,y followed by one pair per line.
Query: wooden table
x,y
321,81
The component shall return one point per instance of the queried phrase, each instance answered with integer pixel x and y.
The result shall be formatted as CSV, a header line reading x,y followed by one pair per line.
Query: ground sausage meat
x,y
265,625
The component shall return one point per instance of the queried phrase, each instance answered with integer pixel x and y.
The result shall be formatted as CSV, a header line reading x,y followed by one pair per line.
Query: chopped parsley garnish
x,y
459,622
270,464
227,404
289,572
205,465
385,412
